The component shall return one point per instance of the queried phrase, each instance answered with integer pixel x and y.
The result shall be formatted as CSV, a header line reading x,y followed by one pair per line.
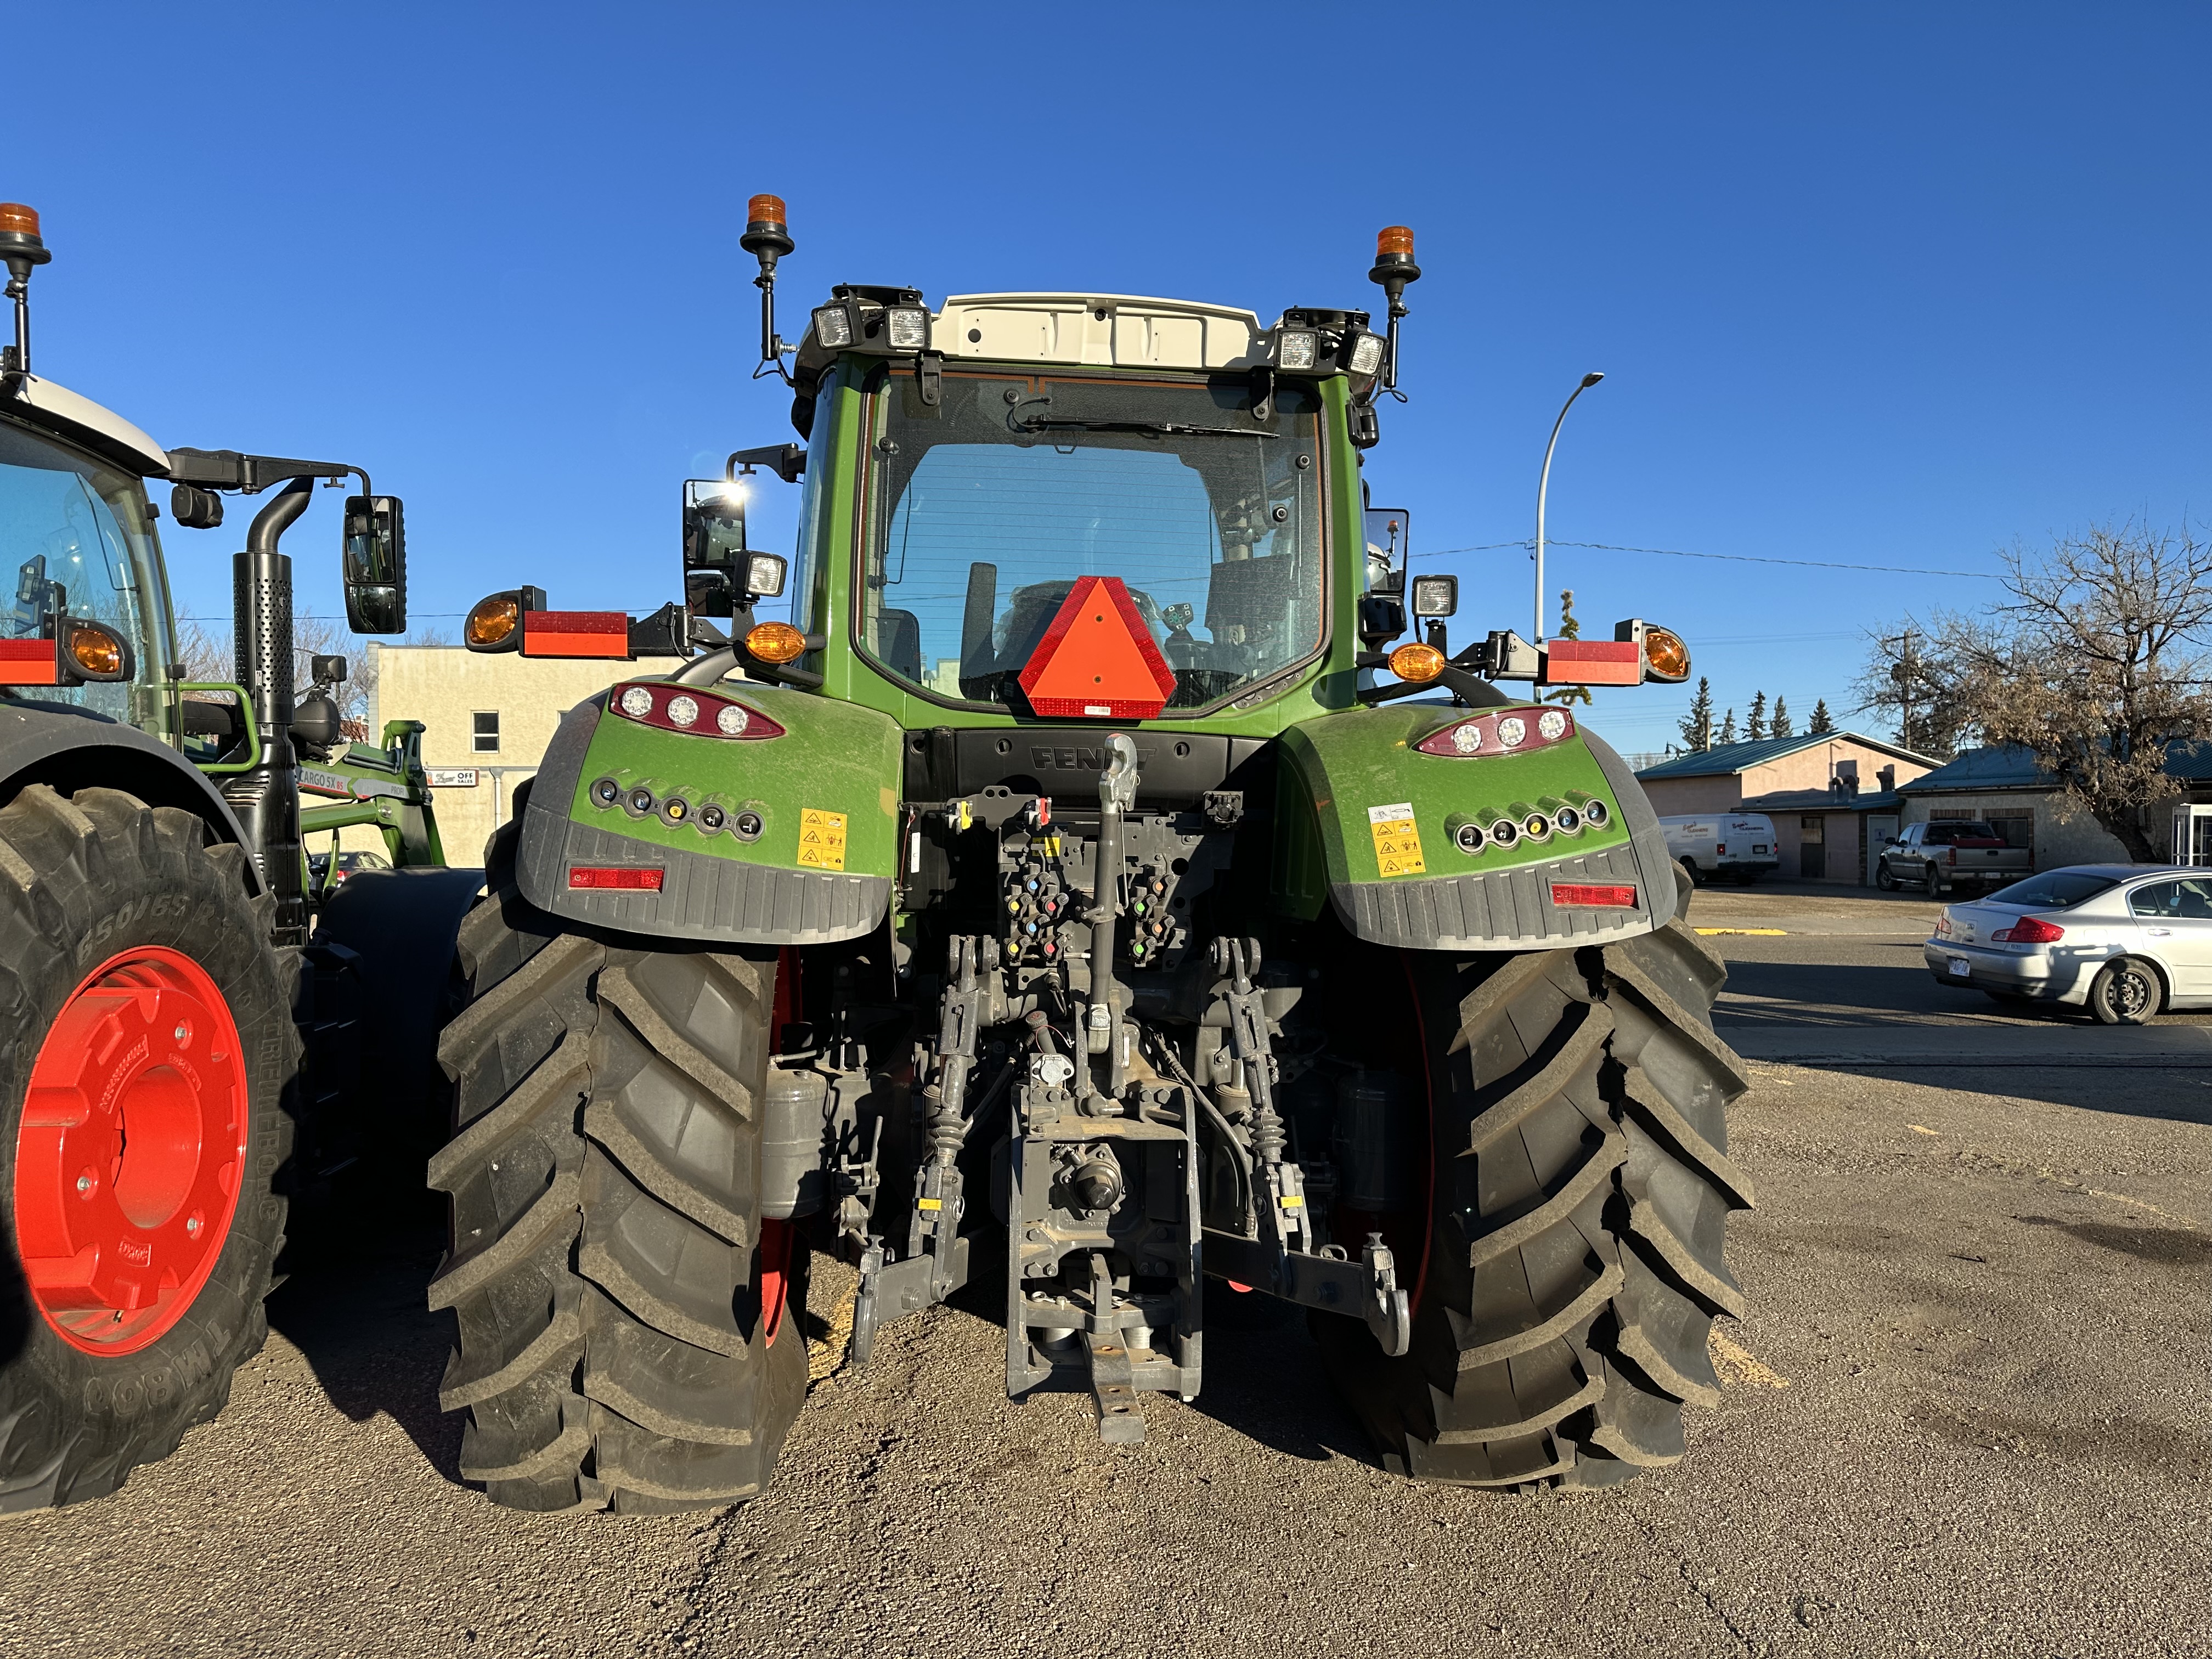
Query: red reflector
x,y
1097,660
2029,930
1619,899
615,877
28,662
576,634
1593,662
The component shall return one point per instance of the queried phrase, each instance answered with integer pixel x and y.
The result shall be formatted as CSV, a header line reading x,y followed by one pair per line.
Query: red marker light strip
x,y
576,634
28,662
615,879
1593,662
1584,893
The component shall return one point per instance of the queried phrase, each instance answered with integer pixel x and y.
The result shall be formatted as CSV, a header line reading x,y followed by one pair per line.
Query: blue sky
x,y
1871,285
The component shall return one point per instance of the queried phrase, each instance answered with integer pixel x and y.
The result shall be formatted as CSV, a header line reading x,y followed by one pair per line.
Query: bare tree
x,y
2094,662
1914,675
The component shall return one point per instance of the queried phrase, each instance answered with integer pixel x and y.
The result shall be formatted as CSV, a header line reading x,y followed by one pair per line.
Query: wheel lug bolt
x,y
193,1225
183,1031
84,1184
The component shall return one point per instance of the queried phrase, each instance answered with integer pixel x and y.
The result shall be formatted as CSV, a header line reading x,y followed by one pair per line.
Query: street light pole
x,y
1543,488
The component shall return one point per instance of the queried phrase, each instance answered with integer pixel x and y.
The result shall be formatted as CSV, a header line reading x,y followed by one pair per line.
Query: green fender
x,y
824,794
1367,823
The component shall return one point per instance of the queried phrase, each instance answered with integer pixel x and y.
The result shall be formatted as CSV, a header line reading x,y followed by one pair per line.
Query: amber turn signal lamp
x,y
776,642
1668,657
1418,663
492,622
96,654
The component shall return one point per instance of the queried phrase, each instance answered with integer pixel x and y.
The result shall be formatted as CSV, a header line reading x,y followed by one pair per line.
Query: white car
x,y
1737,844
2126,941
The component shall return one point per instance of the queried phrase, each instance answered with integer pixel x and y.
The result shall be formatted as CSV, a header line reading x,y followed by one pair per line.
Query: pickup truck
x,y
1940,856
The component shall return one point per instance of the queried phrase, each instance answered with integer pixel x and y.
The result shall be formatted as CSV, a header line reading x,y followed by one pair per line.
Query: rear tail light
x,y
688,709
2029,930
1583,893
1509,732
1719,847
612,878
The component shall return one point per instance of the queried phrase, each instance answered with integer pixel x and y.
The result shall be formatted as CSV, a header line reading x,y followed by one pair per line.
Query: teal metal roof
x,y
1725,759
2012,767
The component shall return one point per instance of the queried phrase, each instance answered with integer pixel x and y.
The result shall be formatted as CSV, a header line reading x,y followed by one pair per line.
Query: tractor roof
x,y
1118,330
55,409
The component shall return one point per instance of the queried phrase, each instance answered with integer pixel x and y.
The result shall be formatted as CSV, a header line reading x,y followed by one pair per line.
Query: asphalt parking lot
x,y
1967,1414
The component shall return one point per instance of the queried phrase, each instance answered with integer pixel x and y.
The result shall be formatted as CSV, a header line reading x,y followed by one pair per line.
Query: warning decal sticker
x,y
1397,842
820,839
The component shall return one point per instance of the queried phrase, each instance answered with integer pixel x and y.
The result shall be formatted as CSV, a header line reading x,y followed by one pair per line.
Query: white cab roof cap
x,y
60,411
1115,331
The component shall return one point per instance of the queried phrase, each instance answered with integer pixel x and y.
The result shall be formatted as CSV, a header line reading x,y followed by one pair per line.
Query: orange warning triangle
x,y
1098,658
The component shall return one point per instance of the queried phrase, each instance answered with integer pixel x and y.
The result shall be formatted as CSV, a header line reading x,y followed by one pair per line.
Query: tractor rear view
x,y
1087,893
158,991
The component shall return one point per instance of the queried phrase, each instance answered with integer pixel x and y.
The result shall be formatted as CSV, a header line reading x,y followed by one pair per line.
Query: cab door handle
x,y
2159,932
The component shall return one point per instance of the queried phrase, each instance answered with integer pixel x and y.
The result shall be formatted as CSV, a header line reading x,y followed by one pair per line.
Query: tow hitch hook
x,y
1389,1315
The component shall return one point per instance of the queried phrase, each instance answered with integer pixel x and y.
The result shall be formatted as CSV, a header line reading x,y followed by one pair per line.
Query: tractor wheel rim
x,y
129,1156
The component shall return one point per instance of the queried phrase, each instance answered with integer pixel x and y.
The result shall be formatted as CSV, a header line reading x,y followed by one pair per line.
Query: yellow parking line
x,y
1762,933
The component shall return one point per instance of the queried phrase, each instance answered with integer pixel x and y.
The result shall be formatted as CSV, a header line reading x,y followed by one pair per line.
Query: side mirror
x,y
1434,596
715,556
375,565
327,671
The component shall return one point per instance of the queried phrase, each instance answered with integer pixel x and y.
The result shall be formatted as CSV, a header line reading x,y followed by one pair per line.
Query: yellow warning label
x,y
1397,842
820,839
929,1204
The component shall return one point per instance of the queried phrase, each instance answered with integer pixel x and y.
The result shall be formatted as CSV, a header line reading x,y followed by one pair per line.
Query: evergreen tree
x,y
1728,728
1569,629
1754,727
1821,721
1779,726
1698,724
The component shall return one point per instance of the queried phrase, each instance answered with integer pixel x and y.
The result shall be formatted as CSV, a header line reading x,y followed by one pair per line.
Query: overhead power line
x,y
1732,558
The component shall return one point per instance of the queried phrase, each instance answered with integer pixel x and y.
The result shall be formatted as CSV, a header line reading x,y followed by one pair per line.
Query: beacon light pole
x,y
1543,487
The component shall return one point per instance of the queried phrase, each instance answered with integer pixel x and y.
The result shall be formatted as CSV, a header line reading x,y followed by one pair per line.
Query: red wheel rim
x,y
128,1159
774,1274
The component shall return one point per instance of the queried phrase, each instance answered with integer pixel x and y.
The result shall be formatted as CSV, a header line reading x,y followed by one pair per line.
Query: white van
x,y
1740,845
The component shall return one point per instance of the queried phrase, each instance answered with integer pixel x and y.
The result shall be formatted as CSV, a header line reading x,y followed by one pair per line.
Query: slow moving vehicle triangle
x,y
1098,658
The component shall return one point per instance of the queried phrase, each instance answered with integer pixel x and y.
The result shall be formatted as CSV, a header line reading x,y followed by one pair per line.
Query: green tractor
x,y
183,1065
1079,897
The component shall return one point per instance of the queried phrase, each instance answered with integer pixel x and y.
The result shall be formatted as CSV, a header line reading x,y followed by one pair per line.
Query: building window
x,y
484,737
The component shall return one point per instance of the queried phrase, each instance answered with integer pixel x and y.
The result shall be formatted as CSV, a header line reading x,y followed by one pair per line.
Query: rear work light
x,y
2029,930
688,709
615,879
1584,893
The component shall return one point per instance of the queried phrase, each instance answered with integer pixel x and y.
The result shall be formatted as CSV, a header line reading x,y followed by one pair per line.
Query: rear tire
x,y
2126,993
118,929
1579,1189
631,1332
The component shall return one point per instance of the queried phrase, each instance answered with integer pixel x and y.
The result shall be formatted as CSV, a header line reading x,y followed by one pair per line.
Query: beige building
x,y
489,717
1832,796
